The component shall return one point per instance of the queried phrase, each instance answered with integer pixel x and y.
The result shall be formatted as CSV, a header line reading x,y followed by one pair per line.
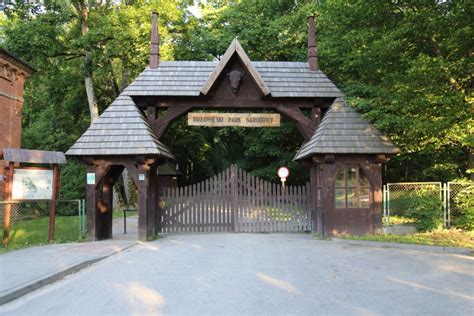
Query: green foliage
x,y
401,220
426,209
133,190
401,203
406,65
128,213
202,152
464,201
55,112
73,186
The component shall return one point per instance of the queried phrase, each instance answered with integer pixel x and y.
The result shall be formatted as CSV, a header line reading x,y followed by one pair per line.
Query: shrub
x,y
465,203
73,181
400,203
426,209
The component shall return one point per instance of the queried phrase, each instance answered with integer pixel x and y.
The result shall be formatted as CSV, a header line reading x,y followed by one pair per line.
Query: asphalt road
x,y
271,274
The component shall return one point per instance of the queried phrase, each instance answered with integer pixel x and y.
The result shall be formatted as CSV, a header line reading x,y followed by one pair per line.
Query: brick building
x,y
13,74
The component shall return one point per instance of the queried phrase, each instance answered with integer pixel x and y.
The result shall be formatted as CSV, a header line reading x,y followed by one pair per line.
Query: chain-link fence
x,y
398,199
456,202
29,221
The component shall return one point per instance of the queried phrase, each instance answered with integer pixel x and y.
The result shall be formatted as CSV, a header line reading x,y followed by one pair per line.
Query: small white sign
x,y
141,177
283,172
32,184
90,178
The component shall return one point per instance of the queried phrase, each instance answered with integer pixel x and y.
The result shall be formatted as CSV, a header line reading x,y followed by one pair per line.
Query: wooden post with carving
x,y
143,179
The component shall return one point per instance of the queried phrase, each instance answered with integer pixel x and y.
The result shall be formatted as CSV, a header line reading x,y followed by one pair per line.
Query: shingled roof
x,y
187,78
344,131
120,130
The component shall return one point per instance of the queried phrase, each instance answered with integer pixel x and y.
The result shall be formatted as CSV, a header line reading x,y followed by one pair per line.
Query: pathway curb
x,y
56,276
437,249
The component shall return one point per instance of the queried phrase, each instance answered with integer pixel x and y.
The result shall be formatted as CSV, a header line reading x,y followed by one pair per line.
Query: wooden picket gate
x,y
235,201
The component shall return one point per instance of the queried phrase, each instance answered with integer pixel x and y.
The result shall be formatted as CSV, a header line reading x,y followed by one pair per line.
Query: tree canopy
x,y
406,65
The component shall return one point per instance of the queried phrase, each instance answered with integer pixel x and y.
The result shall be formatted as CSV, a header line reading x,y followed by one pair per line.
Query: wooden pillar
x,y
152,201
327,195
143,176
315,214
106,214
377,208
373,172
52,212
105,209
8,207
159,202
329,172
91,205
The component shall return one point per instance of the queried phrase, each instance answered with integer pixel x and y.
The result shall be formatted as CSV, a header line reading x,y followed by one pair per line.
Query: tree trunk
x,y
124,73
471,163
89,83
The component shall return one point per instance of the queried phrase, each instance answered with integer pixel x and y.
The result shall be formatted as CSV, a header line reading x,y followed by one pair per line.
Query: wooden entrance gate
x,y
235,201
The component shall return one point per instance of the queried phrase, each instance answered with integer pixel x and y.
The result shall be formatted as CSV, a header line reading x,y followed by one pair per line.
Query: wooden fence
x,y
235,201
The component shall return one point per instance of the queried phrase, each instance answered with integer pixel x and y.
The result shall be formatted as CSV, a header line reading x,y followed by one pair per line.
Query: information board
x,y
32,184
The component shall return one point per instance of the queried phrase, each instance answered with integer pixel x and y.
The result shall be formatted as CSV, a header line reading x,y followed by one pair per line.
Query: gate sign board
x,y
32,184
234,119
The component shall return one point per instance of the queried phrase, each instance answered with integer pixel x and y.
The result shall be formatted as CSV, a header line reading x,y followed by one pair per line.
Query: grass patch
x,y
119,214
442,237
155,237
318,236
35,232
401,220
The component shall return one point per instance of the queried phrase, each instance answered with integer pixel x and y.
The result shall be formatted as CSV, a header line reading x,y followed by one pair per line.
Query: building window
x,y
352,188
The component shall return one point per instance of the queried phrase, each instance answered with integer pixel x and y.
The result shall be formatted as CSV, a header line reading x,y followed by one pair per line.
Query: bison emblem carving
x,y
235,77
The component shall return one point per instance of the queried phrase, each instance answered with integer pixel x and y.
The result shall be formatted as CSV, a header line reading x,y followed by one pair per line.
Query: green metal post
x,y
79,219
384,204
388,204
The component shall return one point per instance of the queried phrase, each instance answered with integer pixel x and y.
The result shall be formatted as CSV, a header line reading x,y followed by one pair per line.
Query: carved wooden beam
x,y
101,171
143,160
132,171
315,116
382,159
114,173
151,114
372,172
329,158
161,124
303,123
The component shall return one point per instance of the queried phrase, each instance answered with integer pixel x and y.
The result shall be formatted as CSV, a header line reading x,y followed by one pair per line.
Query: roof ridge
x,y
184,78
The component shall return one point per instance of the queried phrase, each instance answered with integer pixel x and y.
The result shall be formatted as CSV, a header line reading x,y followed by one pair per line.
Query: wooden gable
x,y
235,58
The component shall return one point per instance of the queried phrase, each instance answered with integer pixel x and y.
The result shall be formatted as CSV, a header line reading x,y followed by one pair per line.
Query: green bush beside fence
x,y
465,204
426,209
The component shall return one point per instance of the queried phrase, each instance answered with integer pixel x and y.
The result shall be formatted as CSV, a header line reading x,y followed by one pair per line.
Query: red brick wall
x,y
12,80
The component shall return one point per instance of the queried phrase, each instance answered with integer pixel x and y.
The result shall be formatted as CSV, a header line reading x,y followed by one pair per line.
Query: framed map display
x,y
32,184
